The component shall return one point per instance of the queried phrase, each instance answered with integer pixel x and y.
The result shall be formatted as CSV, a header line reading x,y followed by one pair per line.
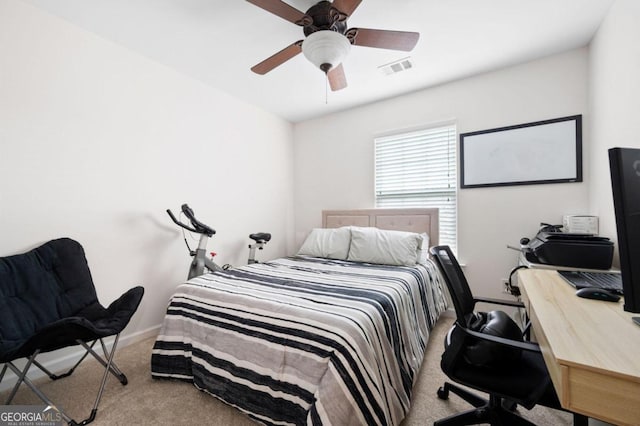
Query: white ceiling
x,y
218,41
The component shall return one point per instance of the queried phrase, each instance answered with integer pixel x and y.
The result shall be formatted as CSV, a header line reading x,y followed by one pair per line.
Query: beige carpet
x,y
159,402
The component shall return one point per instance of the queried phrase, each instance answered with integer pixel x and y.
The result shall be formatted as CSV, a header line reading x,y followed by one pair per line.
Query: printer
x,y
586,251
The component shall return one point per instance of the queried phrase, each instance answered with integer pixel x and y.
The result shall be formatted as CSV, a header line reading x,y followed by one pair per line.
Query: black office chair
x,y
47,302
486,351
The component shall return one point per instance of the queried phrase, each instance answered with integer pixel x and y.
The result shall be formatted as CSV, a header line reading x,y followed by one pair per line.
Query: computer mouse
x,y
597,294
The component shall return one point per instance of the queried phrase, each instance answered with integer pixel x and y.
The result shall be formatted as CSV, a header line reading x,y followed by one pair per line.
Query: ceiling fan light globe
x,y
326,47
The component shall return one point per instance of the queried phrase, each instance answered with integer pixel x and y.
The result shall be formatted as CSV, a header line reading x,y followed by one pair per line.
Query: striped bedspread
x,y
303,340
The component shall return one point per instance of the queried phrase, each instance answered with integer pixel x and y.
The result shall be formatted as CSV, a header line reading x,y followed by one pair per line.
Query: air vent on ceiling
x,y
396,66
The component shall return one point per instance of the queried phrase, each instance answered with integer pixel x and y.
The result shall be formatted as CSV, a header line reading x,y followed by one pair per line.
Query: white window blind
x,y
418,169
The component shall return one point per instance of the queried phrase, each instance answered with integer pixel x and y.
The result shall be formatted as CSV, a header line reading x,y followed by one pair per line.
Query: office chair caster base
x,y
443,393
509,405
471,398
484,415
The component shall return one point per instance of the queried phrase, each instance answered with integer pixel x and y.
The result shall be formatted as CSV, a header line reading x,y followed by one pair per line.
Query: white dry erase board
x,y
548,151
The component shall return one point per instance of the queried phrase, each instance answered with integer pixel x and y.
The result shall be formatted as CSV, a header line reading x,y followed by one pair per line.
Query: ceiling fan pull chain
x,y
326,88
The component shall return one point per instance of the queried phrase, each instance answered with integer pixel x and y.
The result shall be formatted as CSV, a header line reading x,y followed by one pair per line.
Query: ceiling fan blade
x,y
280,9
346,6
337,79
384,39
278,59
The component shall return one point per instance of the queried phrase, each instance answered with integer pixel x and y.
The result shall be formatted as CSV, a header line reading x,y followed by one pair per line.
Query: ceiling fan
x,y
328,40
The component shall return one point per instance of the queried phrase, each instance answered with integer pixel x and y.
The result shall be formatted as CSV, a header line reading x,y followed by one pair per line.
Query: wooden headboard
x,y
412,220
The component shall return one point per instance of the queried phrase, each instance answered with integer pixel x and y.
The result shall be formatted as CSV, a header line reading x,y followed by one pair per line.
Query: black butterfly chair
x,y
47,302
486,351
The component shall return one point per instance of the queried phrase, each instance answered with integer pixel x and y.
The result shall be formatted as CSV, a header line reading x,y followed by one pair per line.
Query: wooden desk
x,y
591,348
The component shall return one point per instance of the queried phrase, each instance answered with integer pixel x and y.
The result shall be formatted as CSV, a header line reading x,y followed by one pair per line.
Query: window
x,y
418,169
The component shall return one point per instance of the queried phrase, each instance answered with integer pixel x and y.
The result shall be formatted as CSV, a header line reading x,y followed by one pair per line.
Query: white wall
x,y
97,141
614,99
334,157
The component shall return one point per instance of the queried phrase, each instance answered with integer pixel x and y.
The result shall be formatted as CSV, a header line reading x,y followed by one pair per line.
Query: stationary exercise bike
x,y
201,263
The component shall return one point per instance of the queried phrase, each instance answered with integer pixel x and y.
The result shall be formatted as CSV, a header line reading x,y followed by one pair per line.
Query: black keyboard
x,y
610,281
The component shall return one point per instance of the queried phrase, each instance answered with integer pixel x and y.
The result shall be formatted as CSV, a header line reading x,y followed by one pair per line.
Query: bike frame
x,y
200,259
252,252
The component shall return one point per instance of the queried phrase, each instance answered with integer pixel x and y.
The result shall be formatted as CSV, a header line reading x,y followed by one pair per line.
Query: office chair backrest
x,y
456,282
496,323
40,287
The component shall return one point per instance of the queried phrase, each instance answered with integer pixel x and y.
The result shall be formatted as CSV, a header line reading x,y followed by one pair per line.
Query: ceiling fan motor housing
x,y
324,16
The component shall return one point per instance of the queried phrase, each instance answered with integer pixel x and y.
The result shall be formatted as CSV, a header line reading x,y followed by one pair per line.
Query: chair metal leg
x,y
109,367
53,376
22,375
88,350
112,366
23,378
4,370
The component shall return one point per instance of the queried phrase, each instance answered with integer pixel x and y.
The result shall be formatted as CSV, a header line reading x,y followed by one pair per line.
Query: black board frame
x,y
574,169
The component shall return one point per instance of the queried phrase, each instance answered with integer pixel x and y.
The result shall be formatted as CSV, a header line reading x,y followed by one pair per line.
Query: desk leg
x,y
580,420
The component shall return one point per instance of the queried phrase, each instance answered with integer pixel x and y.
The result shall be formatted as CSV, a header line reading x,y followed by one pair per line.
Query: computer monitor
x,y
624,165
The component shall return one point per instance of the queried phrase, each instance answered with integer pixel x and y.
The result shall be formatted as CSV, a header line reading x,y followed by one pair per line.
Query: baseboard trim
x,y
67,361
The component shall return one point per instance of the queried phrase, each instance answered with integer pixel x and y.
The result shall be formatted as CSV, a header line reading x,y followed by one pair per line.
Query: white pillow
x,y
332,243
373,245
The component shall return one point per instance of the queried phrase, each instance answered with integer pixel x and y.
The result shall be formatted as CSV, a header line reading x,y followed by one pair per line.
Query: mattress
x,y
303,340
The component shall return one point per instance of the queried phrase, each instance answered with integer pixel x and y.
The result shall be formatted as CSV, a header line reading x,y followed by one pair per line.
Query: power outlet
x,y
510,289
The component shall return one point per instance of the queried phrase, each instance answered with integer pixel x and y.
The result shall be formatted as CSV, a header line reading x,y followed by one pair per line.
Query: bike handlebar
x,y
196,226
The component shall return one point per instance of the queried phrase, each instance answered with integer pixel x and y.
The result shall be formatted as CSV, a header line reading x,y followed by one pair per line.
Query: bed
x,y
307,339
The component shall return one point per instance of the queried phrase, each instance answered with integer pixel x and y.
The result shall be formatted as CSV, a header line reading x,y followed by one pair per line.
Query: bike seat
x,y
260,237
